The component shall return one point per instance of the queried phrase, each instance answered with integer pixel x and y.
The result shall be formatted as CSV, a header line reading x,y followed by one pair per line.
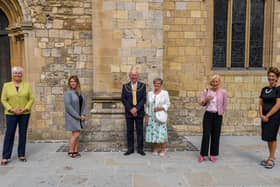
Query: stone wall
x,y
97,40
100,40
276,36
187,69
62,42
126,33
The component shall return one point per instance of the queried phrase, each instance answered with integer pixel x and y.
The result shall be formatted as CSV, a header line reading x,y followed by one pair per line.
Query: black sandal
x,y
263,162
71,154
77,154
269,165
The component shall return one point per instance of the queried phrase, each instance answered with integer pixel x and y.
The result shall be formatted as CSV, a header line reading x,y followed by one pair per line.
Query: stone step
x,y
116,135
180,144
106,130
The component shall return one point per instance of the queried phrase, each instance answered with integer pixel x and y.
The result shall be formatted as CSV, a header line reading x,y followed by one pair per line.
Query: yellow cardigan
x,y
21,99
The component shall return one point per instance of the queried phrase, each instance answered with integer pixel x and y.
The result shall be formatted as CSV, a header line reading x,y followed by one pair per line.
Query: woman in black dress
x,y
269,105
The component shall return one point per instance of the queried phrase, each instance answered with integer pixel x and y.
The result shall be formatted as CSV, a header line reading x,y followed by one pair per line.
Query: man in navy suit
x,y
134,98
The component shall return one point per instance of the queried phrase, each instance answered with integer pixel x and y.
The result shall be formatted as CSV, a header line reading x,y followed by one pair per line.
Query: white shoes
x,y
155,153
162,154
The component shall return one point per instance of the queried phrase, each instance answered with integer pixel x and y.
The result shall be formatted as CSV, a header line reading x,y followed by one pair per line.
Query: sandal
x,y
269,164
22,159
71,154
263,162
77,154
4,162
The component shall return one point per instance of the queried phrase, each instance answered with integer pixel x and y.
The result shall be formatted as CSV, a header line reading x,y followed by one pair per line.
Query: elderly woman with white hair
x,y
214,99
157,105
17,100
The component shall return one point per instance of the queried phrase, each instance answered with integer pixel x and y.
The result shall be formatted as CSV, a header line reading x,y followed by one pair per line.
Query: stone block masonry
x,y
100,40
63,32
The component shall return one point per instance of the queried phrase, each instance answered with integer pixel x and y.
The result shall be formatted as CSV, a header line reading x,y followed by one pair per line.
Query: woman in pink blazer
x,y
214,99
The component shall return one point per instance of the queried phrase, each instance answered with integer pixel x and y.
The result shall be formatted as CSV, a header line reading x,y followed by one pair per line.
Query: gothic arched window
x,y
238,33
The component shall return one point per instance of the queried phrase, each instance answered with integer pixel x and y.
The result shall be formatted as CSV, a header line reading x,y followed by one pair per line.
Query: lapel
x,y
128,87
20,86
138,85
19,89
217,99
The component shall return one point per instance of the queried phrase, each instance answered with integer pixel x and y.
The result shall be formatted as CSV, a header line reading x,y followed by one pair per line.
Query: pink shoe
x,y
200,159
212,159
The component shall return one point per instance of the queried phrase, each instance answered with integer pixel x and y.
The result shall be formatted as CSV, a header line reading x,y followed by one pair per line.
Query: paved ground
x,y
238,165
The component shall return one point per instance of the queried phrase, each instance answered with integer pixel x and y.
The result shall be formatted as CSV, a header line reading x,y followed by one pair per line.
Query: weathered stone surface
x,y
100,40
56,25
237,165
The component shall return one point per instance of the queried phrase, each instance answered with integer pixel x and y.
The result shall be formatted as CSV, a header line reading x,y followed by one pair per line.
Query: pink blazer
x,y
222,100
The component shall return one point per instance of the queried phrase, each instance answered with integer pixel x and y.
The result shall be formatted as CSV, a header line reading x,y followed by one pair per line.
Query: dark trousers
x,y
212,123
12,122
138,121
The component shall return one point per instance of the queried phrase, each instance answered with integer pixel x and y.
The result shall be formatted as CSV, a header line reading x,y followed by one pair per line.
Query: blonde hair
x,y
216,76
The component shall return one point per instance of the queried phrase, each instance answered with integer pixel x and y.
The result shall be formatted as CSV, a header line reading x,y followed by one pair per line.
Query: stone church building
x,y
182,41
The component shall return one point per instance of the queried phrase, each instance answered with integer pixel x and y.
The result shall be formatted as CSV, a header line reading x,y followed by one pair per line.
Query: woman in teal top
x,y
17,100
156,130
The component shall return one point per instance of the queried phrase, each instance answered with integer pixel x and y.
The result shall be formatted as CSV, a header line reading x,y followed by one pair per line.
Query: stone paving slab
x,y
237,166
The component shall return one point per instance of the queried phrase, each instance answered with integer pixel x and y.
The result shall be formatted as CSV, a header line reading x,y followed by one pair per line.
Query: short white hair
x,y
17,69
134,69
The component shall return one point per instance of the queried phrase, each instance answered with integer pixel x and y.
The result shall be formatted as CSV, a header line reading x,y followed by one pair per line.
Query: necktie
x,y
134,97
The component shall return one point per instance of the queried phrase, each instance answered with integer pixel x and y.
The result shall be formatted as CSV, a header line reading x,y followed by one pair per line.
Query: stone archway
x,y
15,29
5,66
13,25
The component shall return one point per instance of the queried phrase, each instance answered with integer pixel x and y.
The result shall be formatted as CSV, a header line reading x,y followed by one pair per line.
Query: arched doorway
x,y
5,66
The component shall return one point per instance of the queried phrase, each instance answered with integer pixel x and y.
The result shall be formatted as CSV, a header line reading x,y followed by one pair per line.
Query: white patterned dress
x,y
156,132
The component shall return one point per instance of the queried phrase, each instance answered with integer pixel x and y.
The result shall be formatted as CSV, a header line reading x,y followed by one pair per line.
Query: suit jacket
x,y
127,99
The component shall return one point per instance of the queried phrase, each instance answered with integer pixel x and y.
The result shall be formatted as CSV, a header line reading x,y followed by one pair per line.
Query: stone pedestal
x,y
106,129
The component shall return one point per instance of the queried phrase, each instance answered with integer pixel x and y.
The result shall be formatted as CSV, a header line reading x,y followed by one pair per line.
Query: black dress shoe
x,y
128,153
141,152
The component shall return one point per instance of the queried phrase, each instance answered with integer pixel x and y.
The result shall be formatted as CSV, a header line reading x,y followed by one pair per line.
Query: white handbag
x,y
161,116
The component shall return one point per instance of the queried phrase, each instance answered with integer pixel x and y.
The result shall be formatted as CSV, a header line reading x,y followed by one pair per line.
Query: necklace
x,y
267,91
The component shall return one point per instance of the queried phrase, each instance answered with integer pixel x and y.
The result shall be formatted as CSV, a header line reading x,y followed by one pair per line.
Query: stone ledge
x,y
107,111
